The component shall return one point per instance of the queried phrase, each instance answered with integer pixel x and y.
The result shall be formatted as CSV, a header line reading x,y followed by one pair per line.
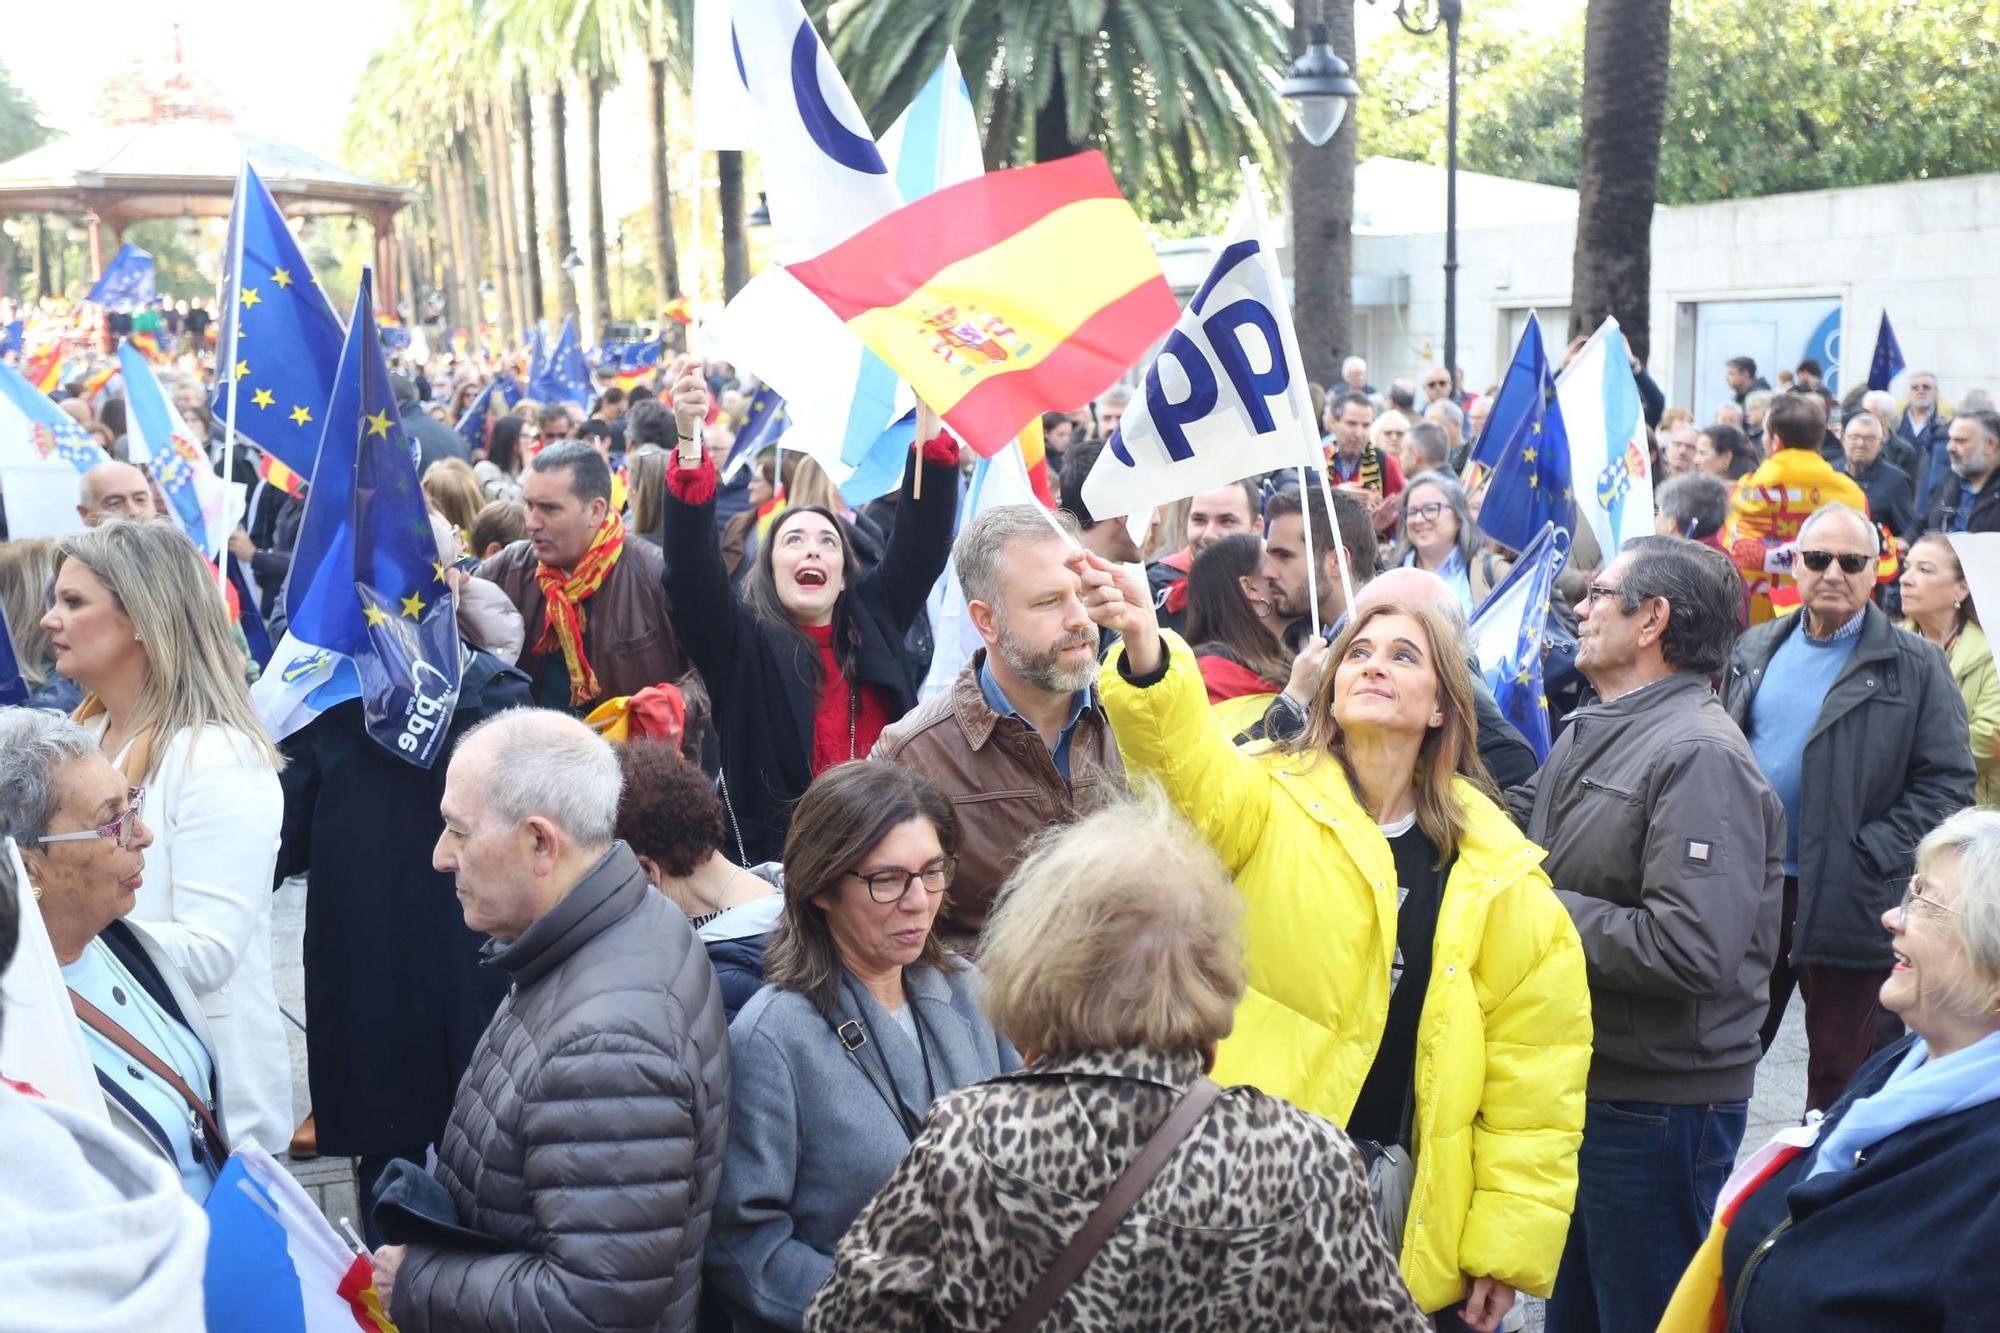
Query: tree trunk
x,y
1323,222
1625,46
531,223
593,186
729,202
559,206
496,174
1052,119
666,254
506,235
447,225
1001,131
460,179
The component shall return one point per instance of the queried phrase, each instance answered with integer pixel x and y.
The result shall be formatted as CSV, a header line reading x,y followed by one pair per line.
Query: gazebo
x,y
116,175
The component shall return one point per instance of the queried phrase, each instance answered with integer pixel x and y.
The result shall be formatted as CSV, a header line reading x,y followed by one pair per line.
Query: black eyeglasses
x,y
1850,563
1598,592
1427,511
889,886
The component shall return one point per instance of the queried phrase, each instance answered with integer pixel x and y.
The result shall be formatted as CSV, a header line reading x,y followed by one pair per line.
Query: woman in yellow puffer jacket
x,y
1380,814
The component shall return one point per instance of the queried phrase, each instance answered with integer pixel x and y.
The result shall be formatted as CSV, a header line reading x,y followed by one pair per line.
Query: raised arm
x,y
920,539
700,603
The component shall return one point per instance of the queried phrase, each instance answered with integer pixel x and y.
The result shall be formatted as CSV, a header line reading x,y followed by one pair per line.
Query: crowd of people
x,y
1172,967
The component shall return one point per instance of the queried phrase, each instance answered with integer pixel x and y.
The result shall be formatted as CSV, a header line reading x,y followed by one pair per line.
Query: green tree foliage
x,y
1766,97
21,127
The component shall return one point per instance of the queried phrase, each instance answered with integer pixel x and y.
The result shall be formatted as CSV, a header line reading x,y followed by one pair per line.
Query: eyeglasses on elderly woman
x,y
123,827
1919,892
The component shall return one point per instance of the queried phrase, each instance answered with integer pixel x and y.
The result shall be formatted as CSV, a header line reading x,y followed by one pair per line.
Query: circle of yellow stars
x,y
261,398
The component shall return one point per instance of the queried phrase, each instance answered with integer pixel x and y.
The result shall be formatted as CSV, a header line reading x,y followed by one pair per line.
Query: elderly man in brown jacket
x,y
1020,741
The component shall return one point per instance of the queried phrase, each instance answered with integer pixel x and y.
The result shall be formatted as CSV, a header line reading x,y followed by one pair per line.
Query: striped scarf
x,y
1368,472
563,596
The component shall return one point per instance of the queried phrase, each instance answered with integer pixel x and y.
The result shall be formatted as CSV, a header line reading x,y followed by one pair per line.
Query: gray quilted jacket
x,y
587,1133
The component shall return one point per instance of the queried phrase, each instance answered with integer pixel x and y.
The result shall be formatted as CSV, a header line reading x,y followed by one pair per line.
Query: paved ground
x,y
1780,1098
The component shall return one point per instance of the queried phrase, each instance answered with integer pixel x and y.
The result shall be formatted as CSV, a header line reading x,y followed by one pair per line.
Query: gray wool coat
x,y
587,1133
811,1138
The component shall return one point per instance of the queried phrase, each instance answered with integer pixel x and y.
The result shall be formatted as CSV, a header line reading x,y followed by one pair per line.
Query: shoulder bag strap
x,y
852,1036
107,1027
1125,1191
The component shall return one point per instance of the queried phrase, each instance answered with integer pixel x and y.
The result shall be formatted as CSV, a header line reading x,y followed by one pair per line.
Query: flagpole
x,y
234,295
690,452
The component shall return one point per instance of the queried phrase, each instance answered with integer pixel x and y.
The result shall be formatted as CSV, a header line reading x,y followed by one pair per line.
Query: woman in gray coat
x,y
866,1020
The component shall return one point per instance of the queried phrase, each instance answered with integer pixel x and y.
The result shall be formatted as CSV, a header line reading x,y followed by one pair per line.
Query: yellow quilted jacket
x,y
1503,1047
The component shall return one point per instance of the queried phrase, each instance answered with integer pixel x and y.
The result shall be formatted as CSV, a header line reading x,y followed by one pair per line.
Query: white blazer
x,y
215,808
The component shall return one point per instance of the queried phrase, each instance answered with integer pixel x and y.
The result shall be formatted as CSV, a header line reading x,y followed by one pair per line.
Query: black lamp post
x,y
1319,85
1447,14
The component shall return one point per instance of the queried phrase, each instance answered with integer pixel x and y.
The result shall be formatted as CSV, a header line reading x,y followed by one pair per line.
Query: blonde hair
x,y
194,674
1093,946
27,566
646,487
1972,839
452,489
809,486
1448,751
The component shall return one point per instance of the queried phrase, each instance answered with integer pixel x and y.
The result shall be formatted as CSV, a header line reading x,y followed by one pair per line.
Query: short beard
x,y
1043,668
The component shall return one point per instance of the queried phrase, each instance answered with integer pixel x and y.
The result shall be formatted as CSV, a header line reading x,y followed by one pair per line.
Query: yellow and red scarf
x,y
563,596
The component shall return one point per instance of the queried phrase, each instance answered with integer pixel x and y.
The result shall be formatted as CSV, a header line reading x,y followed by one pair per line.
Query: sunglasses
x,y
1850,563
123,828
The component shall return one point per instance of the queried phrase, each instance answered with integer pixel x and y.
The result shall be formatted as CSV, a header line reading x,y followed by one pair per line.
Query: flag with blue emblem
x,y
565,376
280,340
842,399
764,420
367,583
1508,631
1526,447
1888,361
127,281
42,454
160,441
477,423
1599,397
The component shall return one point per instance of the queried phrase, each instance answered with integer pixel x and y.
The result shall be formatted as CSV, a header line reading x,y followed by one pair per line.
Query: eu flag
x,y
477,423
764,420
279,338
1508,630
127,281
13,689
636,361
367,581
565,376
1525,445
1888,362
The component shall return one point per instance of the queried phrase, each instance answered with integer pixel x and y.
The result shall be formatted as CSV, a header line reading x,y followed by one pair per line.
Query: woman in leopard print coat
x,y
1116,978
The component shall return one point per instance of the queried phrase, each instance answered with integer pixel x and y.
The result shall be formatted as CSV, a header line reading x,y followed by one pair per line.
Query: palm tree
x,y
1625,45
1323,220
1172,92
662,33
524,125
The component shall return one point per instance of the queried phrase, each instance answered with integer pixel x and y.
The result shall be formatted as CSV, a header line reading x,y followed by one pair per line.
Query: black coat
x,y
760,675
1887,488
1908,1240
395,996
1943,516
434,439
1889,757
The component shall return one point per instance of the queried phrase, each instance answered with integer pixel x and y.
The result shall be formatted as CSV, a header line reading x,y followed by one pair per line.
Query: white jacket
x,y
95,1233
206,901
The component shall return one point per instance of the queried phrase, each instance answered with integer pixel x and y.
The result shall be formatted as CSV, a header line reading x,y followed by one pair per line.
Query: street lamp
x,y
1445,13
1319,85
760,216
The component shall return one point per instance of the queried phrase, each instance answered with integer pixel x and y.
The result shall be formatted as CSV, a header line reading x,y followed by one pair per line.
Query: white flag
x,y
1609,469
722,107
1226,397
999,480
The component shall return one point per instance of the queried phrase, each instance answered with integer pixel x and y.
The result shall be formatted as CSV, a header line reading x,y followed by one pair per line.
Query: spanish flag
x,y
43,369
1004,296
277,474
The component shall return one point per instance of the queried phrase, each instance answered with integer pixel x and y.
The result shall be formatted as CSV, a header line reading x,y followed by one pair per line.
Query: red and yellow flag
x,y
1004,296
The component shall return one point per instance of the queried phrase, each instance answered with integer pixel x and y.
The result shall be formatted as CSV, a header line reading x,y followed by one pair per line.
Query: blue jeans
x,y
1647,1178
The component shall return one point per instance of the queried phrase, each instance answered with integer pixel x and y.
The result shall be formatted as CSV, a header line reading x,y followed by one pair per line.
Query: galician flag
x,y
43,454
160,441
1612,481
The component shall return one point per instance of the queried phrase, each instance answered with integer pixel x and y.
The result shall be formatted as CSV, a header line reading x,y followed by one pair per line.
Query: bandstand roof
x,y
128,173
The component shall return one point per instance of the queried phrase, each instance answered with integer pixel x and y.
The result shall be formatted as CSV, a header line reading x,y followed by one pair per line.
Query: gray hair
x,y
547,763
1430,442
1702,590
1354,363
982,547
1881,398
1761,398
1976,400
589,474
1985,418
33,745
1972,838
1119,394
1697,501
1829,510
1469,536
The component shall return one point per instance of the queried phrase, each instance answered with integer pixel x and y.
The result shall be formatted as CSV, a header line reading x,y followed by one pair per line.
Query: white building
x,y
1776,278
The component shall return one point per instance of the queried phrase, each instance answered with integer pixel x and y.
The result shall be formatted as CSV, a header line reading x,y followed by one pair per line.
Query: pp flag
x,y
1507,633
1607,440
1526,446
1888,361
1003,297
279,341
127,281
43,453
160,441
1221,401
367,582
275,1264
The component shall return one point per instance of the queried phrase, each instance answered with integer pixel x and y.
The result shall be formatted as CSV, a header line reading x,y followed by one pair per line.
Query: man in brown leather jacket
x,y
589,592
1020,741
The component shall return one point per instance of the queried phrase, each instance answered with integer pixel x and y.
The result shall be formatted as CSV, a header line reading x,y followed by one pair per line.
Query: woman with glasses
x,y
1441,535
865,1020
84,844
137,623
1887,1219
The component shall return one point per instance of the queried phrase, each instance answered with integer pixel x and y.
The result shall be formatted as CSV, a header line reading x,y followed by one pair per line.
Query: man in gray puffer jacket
x,y
587,1135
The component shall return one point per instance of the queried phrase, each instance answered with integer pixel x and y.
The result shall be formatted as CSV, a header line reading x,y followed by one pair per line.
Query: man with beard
x,y
1285,558
1020,740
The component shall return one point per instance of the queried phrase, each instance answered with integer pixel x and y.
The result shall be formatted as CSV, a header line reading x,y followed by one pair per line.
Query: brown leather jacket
x,y
626,634
1001,781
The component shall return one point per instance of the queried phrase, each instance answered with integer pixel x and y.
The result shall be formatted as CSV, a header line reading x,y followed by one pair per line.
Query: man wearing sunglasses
x,y
1861,732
